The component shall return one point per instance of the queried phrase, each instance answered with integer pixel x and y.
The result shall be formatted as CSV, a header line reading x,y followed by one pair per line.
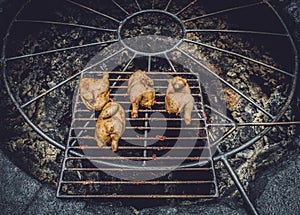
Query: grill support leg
x,y
239,186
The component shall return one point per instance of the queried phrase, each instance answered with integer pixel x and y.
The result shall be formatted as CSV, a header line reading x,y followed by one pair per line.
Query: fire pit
x,y
241,83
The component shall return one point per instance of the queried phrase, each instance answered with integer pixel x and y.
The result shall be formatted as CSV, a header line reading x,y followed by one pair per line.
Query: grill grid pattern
x,y
156,143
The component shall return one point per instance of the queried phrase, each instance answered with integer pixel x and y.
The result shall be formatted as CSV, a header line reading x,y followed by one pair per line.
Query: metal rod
x,y
209,144
143,119
146,128
138,5
186,7
69,79
224,136
165,128
255,124
61,49
149,66
267,123
151,196
146,137
167,6
280,114
162,138
138,158
241,56
92,116
155,79
237,31
65,154
158,169
141,111
86,124
158,148
8,88
170,63
65,24
239,186
228,84
211,155
158,95
119,6
153,4
94,11
136,182
73,116
223,11
128,64
220,114
227,133
156,87
158,103
150,72
220,124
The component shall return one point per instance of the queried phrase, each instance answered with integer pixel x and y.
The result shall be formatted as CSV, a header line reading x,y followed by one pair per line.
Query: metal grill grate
x,y
156,144
194,24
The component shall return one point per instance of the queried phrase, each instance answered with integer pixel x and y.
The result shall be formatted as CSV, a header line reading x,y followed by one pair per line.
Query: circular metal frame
x,y
175,16
152,53
222,156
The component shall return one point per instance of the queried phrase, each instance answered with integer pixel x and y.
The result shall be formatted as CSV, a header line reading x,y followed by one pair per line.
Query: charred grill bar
x,y
150,137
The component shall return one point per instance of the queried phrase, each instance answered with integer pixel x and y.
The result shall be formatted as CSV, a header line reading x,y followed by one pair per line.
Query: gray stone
x,y
294,10
45,202
220,208
92,209
17,189
277,191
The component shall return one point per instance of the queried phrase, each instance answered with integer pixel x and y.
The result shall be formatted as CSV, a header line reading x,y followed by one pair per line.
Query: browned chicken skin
x,y
95,92
110,125
178,98
140,91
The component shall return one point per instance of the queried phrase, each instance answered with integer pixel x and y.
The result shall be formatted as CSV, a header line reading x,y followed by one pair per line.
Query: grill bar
x,y
147,128
141,169
136,182
156,87
148,73
94,11
158,95
152,196
140,148
158,103
140,111
148,138
224,11
138,158
139,119
163,138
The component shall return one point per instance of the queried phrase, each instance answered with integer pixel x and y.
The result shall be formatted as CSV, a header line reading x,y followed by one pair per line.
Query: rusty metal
x,y
146,152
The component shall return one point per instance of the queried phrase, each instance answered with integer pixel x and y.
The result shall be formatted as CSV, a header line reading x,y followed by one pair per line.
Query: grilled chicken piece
x,y
110,125
178,98
95,92
140,91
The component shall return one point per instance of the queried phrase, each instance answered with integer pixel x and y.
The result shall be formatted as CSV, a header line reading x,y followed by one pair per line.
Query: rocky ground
x,y
276,191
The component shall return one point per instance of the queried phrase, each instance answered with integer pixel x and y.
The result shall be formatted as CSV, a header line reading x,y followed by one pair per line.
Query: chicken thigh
x,y
110,125
178,98
140,91
95,92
